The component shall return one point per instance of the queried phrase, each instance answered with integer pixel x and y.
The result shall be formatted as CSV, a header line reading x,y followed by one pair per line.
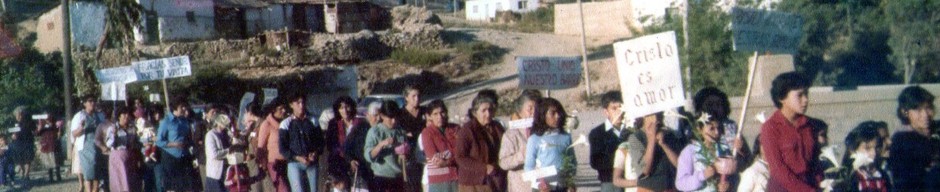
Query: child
x,y
859,172
701,165
755,177
237,177
49,136
548,146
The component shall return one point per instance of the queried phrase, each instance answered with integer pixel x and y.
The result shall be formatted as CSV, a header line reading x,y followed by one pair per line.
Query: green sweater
x,y
385,164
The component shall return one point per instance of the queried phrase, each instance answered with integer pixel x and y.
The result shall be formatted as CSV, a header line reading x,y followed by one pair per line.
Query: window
x,y
522,5
474,9
191,16
499,6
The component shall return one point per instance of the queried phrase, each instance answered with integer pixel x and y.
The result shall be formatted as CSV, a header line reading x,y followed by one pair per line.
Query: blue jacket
x,y
174,129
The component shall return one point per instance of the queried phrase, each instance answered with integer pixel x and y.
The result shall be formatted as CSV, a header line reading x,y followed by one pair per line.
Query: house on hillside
x,y
337,16
177,20
87,24
184,20
236,19
485,10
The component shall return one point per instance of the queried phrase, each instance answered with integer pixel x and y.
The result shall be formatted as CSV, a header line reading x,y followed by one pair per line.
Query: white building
x,y
485,10
648,12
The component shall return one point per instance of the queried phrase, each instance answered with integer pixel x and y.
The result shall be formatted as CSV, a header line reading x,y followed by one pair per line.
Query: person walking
x,y
49,146
913,148
268,151
477,146
217,142
438,138
549,146
787,139
23,147
386,147
513,143
605,138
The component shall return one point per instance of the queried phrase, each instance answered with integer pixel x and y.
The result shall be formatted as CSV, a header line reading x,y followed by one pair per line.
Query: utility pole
x,y
685,44
67,59
584,59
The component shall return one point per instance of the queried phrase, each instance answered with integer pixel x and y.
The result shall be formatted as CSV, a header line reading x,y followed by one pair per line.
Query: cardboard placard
x,y
650,75
549,72
763,30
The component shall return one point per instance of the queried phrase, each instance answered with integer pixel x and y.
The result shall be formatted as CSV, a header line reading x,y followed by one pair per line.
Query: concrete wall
x,y
607,18
268,18
87,27
87,23
176,22
49,31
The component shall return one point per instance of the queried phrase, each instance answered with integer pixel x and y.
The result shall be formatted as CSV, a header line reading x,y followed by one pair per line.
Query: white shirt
x,y
77,123
755,177
608,126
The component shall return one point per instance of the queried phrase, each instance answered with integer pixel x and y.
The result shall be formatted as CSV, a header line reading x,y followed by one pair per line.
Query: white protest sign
x,y
154,97
521,123
114,91
123,74
246,99
165,68
40,117
650,77
549,72
539,173
269,95
762,30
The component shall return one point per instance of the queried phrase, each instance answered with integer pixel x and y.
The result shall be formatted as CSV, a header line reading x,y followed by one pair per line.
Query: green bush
x,y
540,20
418,58
480,52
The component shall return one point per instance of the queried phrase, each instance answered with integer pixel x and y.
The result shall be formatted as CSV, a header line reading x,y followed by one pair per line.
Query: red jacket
x,y
477,146
435,142
790,152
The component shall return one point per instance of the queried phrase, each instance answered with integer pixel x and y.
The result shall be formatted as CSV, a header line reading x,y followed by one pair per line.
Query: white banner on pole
x,y
114,91
164,68
762,30
269,95
549,72
124,74
650,76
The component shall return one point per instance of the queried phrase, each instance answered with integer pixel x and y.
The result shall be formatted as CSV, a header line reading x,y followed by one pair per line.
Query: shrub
x,y
417,58
480,52
540,20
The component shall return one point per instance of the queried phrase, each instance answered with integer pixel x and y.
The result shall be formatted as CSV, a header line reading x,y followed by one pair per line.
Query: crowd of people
x,y
393,147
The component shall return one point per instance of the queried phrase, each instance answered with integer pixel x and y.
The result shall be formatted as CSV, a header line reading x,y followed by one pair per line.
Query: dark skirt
x,y
179,174
22,152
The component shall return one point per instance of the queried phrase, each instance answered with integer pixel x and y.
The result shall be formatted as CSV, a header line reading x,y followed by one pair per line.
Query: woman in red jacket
x,y
438,139
477,147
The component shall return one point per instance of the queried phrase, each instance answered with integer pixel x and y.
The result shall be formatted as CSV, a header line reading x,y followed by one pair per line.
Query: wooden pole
x,y
747,98
584,60
66,60
166,96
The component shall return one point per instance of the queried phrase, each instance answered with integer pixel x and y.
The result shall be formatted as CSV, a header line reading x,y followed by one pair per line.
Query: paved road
x,y
587,177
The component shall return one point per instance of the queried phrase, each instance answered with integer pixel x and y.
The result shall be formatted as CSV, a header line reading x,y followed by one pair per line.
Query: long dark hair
x,y
864,132
539,126
344,100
